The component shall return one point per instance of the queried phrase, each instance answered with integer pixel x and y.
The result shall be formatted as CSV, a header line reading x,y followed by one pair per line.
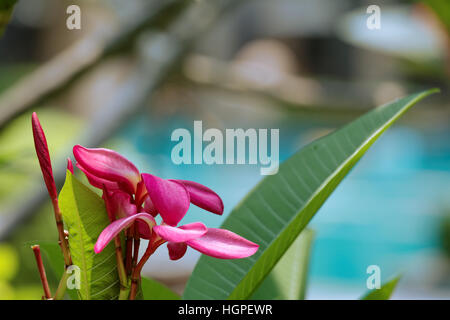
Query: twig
x,y
41,268
61,233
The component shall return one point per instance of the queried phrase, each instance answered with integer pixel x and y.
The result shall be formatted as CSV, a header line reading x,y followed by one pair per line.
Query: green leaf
x,y
384,293
6,8
56,260
153,290
275,212
287,281
85,215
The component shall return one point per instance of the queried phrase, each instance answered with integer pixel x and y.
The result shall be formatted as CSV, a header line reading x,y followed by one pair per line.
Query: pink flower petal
x,y
203,197
144,231
118,204
141,193
98,182
69,165
109,207
149,207
40,144
114,229
108,165
223,244
170,198
181,234
176,250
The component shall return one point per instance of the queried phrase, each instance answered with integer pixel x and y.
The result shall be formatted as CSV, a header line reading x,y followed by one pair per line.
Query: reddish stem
x,y
136,275
129,248
41,268
61,233
136,244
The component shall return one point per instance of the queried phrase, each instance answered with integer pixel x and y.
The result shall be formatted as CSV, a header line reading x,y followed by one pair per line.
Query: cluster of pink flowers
x,y
133,197
132,201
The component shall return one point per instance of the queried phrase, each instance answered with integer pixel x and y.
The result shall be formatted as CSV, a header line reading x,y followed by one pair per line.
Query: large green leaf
x,y
280,206
384,293
153,290
85,216
6,8
287,281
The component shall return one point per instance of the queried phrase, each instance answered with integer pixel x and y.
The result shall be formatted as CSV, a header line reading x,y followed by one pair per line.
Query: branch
x,y
41,268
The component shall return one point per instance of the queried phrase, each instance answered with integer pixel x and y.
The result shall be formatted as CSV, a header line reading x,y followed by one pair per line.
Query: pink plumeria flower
x,y
132,197
106,168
